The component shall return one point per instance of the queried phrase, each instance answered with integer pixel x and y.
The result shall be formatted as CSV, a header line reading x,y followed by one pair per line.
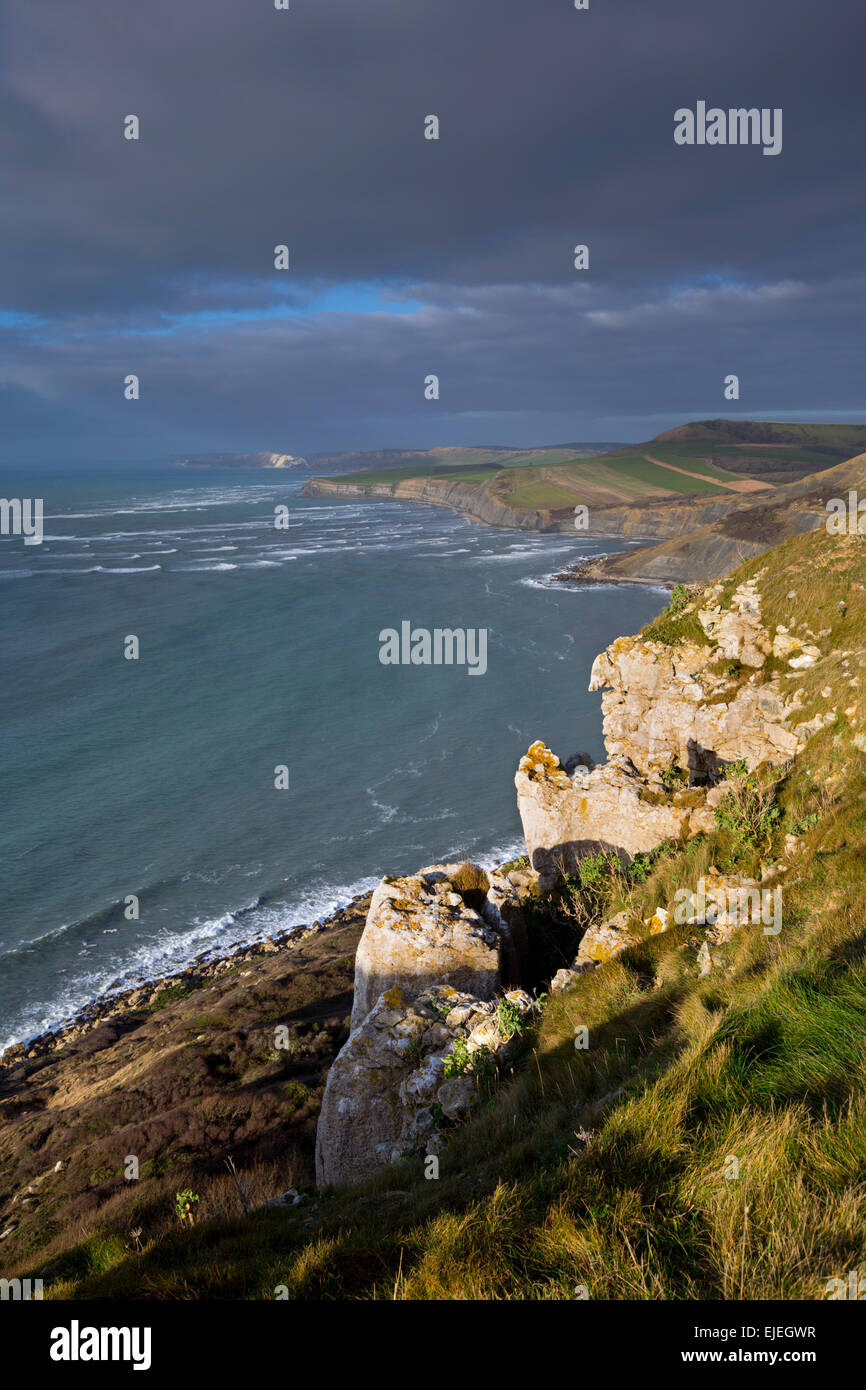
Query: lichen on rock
x,y
405,1075
439,926
687,707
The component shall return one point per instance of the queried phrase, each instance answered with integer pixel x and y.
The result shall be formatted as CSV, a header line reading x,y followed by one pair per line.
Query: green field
x,y
478,474
558,479
627,476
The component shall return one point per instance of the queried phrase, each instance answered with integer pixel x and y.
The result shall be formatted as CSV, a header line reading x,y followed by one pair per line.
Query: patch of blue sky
x,y
288,302
14,318
297,302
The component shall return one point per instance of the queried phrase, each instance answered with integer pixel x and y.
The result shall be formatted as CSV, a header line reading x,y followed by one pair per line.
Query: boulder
x,y
448,924
614,807
605,940
387,1093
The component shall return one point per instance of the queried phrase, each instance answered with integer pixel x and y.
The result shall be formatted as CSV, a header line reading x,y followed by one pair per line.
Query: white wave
x,y
544,582
136,569
386,812
514,555
199,567
165,954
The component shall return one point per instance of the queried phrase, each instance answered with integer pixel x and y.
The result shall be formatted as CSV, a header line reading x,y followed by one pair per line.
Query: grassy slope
x,y
561,482
606,1168
847,439
759,520
454,473
720,451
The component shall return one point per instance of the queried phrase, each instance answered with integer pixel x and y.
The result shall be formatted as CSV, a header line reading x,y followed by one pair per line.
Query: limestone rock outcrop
x,y
665,704
448,924
437,947
406,1074
614,807
720,904
675,714
738,631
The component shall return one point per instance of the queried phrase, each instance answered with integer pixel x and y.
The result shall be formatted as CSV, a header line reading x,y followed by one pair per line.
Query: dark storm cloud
x,y
517,364
305,127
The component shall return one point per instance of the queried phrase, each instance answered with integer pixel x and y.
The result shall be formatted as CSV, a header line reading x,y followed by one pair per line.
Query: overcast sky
x,y
412,256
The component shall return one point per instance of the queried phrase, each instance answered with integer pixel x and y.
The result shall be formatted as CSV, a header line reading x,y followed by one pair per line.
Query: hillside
x,y
674,484
601,1171
430,461
709,550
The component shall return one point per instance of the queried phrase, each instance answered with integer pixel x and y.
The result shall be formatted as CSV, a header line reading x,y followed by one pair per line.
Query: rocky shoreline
x,y
205,967
591,571
201,970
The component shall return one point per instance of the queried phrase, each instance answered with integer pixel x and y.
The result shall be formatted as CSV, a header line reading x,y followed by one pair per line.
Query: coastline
x,y
141,998
208,966
585,573
65,1020
141,991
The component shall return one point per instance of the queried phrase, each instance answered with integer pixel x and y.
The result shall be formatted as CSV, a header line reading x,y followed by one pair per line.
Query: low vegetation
x,y
708,1143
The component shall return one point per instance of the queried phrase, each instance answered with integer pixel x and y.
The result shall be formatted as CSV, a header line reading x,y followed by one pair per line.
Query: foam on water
x,y
163,782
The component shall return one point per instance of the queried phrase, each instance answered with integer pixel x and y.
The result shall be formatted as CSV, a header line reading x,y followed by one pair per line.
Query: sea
x,y
256,765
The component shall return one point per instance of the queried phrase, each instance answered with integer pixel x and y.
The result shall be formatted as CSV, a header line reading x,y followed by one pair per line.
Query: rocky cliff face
x,y
709,545
703,689
405,1075
614,807
436,948
261,460
420,931
675,713
466,498
651,521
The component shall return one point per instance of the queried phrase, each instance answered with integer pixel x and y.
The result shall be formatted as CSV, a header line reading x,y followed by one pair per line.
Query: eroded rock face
x,y
613,807
421,931
665,704
738,631
662,705
387,1093
686,706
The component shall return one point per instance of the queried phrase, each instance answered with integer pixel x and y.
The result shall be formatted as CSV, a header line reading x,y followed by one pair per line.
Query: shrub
x,y
750,815
469,878
510,1019
184,1203
679,598
472,883
457,1061
673,777
740,768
